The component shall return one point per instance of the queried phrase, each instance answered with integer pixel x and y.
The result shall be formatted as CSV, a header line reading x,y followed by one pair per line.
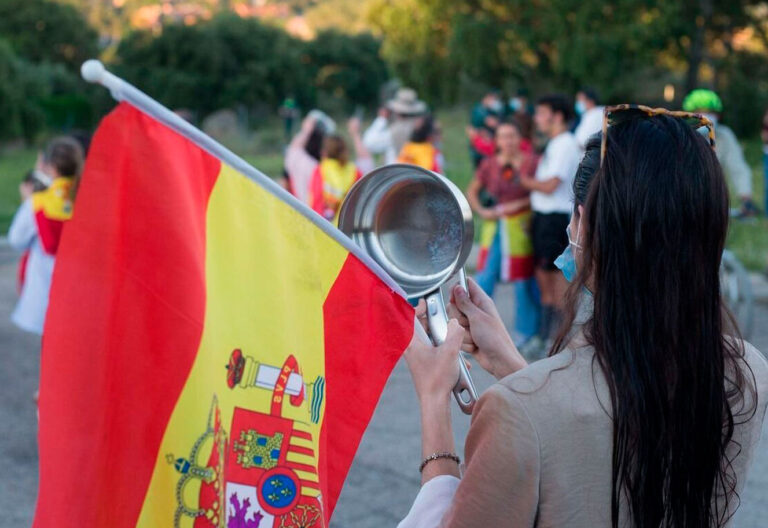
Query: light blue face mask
x,y
580,107
566,262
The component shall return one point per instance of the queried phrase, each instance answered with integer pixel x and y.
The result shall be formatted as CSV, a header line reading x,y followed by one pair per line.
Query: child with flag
x,y
333,177
37,227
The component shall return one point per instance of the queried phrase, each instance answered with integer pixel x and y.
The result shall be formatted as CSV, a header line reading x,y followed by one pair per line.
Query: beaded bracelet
x,y
438,456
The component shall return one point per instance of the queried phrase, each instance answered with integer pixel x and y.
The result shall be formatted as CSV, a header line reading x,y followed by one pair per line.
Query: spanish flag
x,y
211,356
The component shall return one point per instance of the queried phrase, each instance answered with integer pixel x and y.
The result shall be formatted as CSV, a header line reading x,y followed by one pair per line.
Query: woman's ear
x,y
580,209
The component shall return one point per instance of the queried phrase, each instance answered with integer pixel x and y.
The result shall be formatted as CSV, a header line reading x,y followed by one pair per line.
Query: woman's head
x,y
508,137
62,157
589,165
334,147
314,144
424,130
651,226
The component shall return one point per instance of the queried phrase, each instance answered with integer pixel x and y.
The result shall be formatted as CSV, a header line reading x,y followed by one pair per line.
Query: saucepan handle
x,y
464,390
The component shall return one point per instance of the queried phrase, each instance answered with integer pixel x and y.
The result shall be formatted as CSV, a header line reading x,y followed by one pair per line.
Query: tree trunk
x,y
698,44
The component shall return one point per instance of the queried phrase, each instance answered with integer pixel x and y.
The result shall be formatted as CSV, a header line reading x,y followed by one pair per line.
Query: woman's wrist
x,y
437,435
436,404
508,361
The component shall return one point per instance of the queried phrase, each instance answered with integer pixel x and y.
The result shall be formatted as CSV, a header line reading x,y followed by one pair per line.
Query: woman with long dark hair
x,y
497,195
649,409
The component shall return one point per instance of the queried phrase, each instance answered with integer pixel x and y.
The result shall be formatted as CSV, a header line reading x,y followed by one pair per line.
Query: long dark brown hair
x,y
653,231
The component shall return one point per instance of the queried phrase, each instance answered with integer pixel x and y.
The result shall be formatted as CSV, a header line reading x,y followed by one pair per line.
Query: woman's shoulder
x,y
756,364
564,380
566,364
559,392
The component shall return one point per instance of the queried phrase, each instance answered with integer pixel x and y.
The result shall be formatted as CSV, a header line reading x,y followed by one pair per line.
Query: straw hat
x,y
406,102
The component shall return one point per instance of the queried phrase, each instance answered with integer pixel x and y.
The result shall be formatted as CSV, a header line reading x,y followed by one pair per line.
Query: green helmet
x,y
701,99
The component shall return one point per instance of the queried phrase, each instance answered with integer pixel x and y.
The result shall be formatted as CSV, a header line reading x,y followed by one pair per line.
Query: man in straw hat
x,y
394,125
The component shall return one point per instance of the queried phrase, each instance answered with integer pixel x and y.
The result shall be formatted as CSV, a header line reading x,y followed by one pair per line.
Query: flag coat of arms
x,y
211,356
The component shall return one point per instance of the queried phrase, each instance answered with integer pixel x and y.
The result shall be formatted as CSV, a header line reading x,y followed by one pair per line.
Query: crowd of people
x,y
524,155
649,409
598,229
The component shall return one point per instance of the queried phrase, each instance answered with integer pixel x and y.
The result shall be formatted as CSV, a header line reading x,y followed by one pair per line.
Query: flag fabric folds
x,y
211,357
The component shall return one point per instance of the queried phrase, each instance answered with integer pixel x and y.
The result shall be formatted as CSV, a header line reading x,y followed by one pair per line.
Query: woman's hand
x,y
308,124
353,126
485,337
434,369
487,213
25,190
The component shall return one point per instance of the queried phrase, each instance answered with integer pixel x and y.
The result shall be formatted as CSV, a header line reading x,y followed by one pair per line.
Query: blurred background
x,y
231,64
248,71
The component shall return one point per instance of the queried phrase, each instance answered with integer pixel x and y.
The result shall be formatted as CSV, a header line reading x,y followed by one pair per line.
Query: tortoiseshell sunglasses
x,y
620,113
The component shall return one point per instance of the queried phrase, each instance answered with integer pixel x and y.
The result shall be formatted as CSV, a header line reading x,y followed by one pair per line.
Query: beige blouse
x,y
539,450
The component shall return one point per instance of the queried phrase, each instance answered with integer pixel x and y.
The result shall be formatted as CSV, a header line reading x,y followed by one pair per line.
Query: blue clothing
x,y
526,292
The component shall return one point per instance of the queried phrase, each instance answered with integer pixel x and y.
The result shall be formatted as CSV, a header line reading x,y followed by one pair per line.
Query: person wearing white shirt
x,y
551,204
591,115
36,229
393,126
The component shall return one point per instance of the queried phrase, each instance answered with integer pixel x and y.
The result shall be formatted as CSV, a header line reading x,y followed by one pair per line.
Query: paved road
x,y
382,482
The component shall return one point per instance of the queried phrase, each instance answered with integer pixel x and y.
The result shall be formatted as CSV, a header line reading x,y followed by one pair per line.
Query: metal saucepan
x,y
417,226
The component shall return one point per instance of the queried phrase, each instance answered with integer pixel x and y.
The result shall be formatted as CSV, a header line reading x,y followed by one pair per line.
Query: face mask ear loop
x,y
578,236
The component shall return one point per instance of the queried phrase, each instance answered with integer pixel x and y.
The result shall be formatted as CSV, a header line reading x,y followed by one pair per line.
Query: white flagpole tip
x,y
92,70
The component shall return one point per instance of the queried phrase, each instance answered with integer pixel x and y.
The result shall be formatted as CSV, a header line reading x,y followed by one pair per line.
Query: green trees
x,y
42,45
231,61
45,31
345,68
628,49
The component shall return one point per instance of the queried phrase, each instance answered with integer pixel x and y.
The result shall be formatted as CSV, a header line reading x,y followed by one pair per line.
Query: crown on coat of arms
x,y
206,467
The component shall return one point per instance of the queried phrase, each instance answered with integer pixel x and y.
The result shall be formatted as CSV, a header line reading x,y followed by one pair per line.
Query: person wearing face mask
x,y
648,410
590,163
729,151
590,114
522,113
37,228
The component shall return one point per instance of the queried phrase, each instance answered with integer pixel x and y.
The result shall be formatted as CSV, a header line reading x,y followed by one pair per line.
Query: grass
x,y
14,164
748,239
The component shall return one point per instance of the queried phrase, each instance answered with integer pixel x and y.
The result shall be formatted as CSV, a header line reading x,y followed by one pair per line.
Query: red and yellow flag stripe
x,y
210,354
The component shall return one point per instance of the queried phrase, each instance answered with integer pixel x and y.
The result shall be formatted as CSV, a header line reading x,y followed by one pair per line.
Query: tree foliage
x,y
42,45
45,31
626,48
231,61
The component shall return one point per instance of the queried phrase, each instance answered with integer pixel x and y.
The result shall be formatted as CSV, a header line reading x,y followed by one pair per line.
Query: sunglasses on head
x,y
624,112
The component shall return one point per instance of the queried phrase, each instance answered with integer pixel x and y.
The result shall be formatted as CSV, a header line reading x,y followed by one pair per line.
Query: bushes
x,y
743,87
42,44
230,61
21,88
44,31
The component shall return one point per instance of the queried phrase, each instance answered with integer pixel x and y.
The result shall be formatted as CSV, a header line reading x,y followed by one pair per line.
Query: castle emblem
x,y
246,372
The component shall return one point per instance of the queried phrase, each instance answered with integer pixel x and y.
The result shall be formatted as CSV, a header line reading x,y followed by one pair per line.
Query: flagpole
x,y
94,71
